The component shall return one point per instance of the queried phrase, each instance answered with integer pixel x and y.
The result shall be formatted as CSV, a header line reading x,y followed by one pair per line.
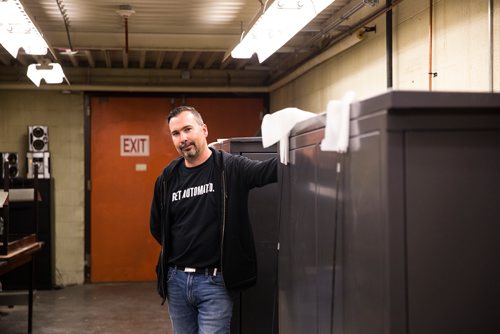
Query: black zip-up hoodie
x,y
236,175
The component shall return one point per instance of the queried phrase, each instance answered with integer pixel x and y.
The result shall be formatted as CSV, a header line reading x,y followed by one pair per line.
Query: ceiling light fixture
x,y
52,73
18,31
276,26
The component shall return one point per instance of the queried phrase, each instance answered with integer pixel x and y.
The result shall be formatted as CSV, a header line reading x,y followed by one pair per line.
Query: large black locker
x,y
255,309
309,191
414,227
421,230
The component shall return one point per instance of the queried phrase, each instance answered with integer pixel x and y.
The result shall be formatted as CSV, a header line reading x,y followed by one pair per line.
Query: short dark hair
x,y
177,110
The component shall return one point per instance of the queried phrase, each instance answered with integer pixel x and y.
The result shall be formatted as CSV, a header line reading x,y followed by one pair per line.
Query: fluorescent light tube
x,y
18,31
276,26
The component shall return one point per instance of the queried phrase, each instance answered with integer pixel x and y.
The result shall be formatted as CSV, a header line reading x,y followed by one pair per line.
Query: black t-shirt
x,y
195,229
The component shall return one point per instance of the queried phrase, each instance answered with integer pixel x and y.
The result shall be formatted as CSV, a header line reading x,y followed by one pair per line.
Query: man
x,y
199,215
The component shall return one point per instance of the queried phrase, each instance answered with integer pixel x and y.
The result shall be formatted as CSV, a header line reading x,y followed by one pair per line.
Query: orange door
x,y
130,146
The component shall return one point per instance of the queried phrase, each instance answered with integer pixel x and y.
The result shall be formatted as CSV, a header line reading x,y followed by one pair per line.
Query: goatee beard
x,y
192,153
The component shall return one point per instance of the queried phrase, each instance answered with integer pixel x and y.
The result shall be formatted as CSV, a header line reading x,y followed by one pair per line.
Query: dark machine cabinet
x,y
255,309
411,225
21,223
422,214
309,190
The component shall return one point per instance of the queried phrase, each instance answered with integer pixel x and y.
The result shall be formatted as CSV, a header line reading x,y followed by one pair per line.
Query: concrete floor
x,y
91,308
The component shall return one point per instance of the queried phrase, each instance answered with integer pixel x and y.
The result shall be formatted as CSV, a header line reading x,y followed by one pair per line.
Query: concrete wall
x,y
460,56
63,114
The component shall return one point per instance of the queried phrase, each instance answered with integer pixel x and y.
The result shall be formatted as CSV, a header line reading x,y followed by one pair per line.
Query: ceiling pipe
x,y
329,26
431,16
126,35
491,51
125,11
139,89
388,44
337,45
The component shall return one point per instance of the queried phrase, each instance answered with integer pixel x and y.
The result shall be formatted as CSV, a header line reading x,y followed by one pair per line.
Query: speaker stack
x,y
11,169
38,151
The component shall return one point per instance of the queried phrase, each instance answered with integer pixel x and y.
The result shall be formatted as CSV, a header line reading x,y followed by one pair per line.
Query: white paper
x,y
277,126
337,124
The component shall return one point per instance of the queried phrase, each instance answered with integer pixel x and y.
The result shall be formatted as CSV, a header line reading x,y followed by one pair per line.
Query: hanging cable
x,y
66,22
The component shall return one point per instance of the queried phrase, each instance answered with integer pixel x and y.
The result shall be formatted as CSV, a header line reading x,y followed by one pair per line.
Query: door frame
x,y
87,149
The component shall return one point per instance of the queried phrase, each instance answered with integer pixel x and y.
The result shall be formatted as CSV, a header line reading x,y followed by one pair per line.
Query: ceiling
x,y
174,43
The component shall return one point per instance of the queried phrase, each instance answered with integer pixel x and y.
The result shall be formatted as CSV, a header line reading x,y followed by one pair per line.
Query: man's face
x,y
189,137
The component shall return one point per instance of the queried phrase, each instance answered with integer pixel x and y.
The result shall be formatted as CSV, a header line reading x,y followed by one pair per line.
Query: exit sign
x,y
134,145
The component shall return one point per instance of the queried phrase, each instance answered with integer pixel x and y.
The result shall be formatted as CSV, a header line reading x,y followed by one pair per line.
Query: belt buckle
x,y
189,270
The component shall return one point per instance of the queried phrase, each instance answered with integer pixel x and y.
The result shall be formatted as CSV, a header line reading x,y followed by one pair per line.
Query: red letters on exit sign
x,y
134,145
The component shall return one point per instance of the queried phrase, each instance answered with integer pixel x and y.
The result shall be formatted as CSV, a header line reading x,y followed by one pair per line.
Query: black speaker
x,y
12,170
38,138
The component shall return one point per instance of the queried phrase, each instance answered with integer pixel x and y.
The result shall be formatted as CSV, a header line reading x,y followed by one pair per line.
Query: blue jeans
x,y
198,303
